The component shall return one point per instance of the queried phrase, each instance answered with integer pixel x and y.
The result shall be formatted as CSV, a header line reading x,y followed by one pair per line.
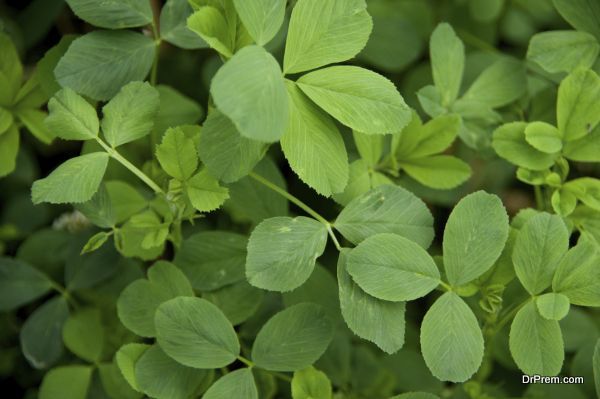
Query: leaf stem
x,y
134,169
247,362
300,204
539,198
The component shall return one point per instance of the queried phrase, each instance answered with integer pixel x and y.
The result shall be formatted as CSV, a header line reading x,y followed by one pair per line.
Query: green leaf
x,y
250,90
125,200
311,383
369,147
500,84
474,237
552,306
596,366
417,140
175,109
99,63
139,300
262,18
210,24
393,268
510,143
536,343
451,340
34,121
41,335
380,322
212,259
114,383
71,117
322,289
438,171
238,384
386,209
130,114
584,15
585,149
205,193
45,66
447,54
177,154
238,301
563,51
227,155
577,274
544,137
325,32
282,252
20,284
66,382
577,107
161,377
99,209
74,181
113,14
173,25
281,344
313,145
358,98
539,247
196,333
83,334
361,180
9,148
586,189
126,358
11,71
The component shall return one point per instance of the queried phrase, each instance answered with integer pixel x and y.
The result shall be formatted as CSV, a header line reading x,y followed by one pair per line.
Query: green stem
x,y
445,286
247,362
300,204
508,316
66,294
539,198
157,41
119,158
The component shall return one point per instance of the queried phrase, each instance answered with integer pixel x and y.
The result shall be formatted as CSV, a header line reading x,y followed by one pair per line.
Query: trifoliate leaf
x,y
282,252
196,333
393,268
316,27
71,117
474,237
281,344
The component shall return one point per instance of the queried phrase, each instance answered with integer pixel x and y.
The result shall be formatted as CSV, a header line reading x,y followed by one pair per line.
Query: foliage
x,y
233,199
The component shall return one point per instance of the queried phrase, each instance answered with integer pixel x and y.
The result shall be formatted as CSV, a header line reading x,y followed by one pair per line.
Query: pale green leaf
x,y
238,384
83,334
586,189
293,339
323,32
173,25
262,18
250,90
196,333
536,343
126,358
74,181
71,117
161,377
584,15
311,383
552,306
540,245
282,252
20,284
585,149
66,382
380,322
113,14
474,237
360,99
447,54
393,268
360,181
578,276
437,171
227,155
369,147
130,114
212,259
313,145
386,209
544,137
205,193
500,84
577,107
510,143
451,340
139,300
99,63
177,154
418,140
41,335
563,51
211,25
